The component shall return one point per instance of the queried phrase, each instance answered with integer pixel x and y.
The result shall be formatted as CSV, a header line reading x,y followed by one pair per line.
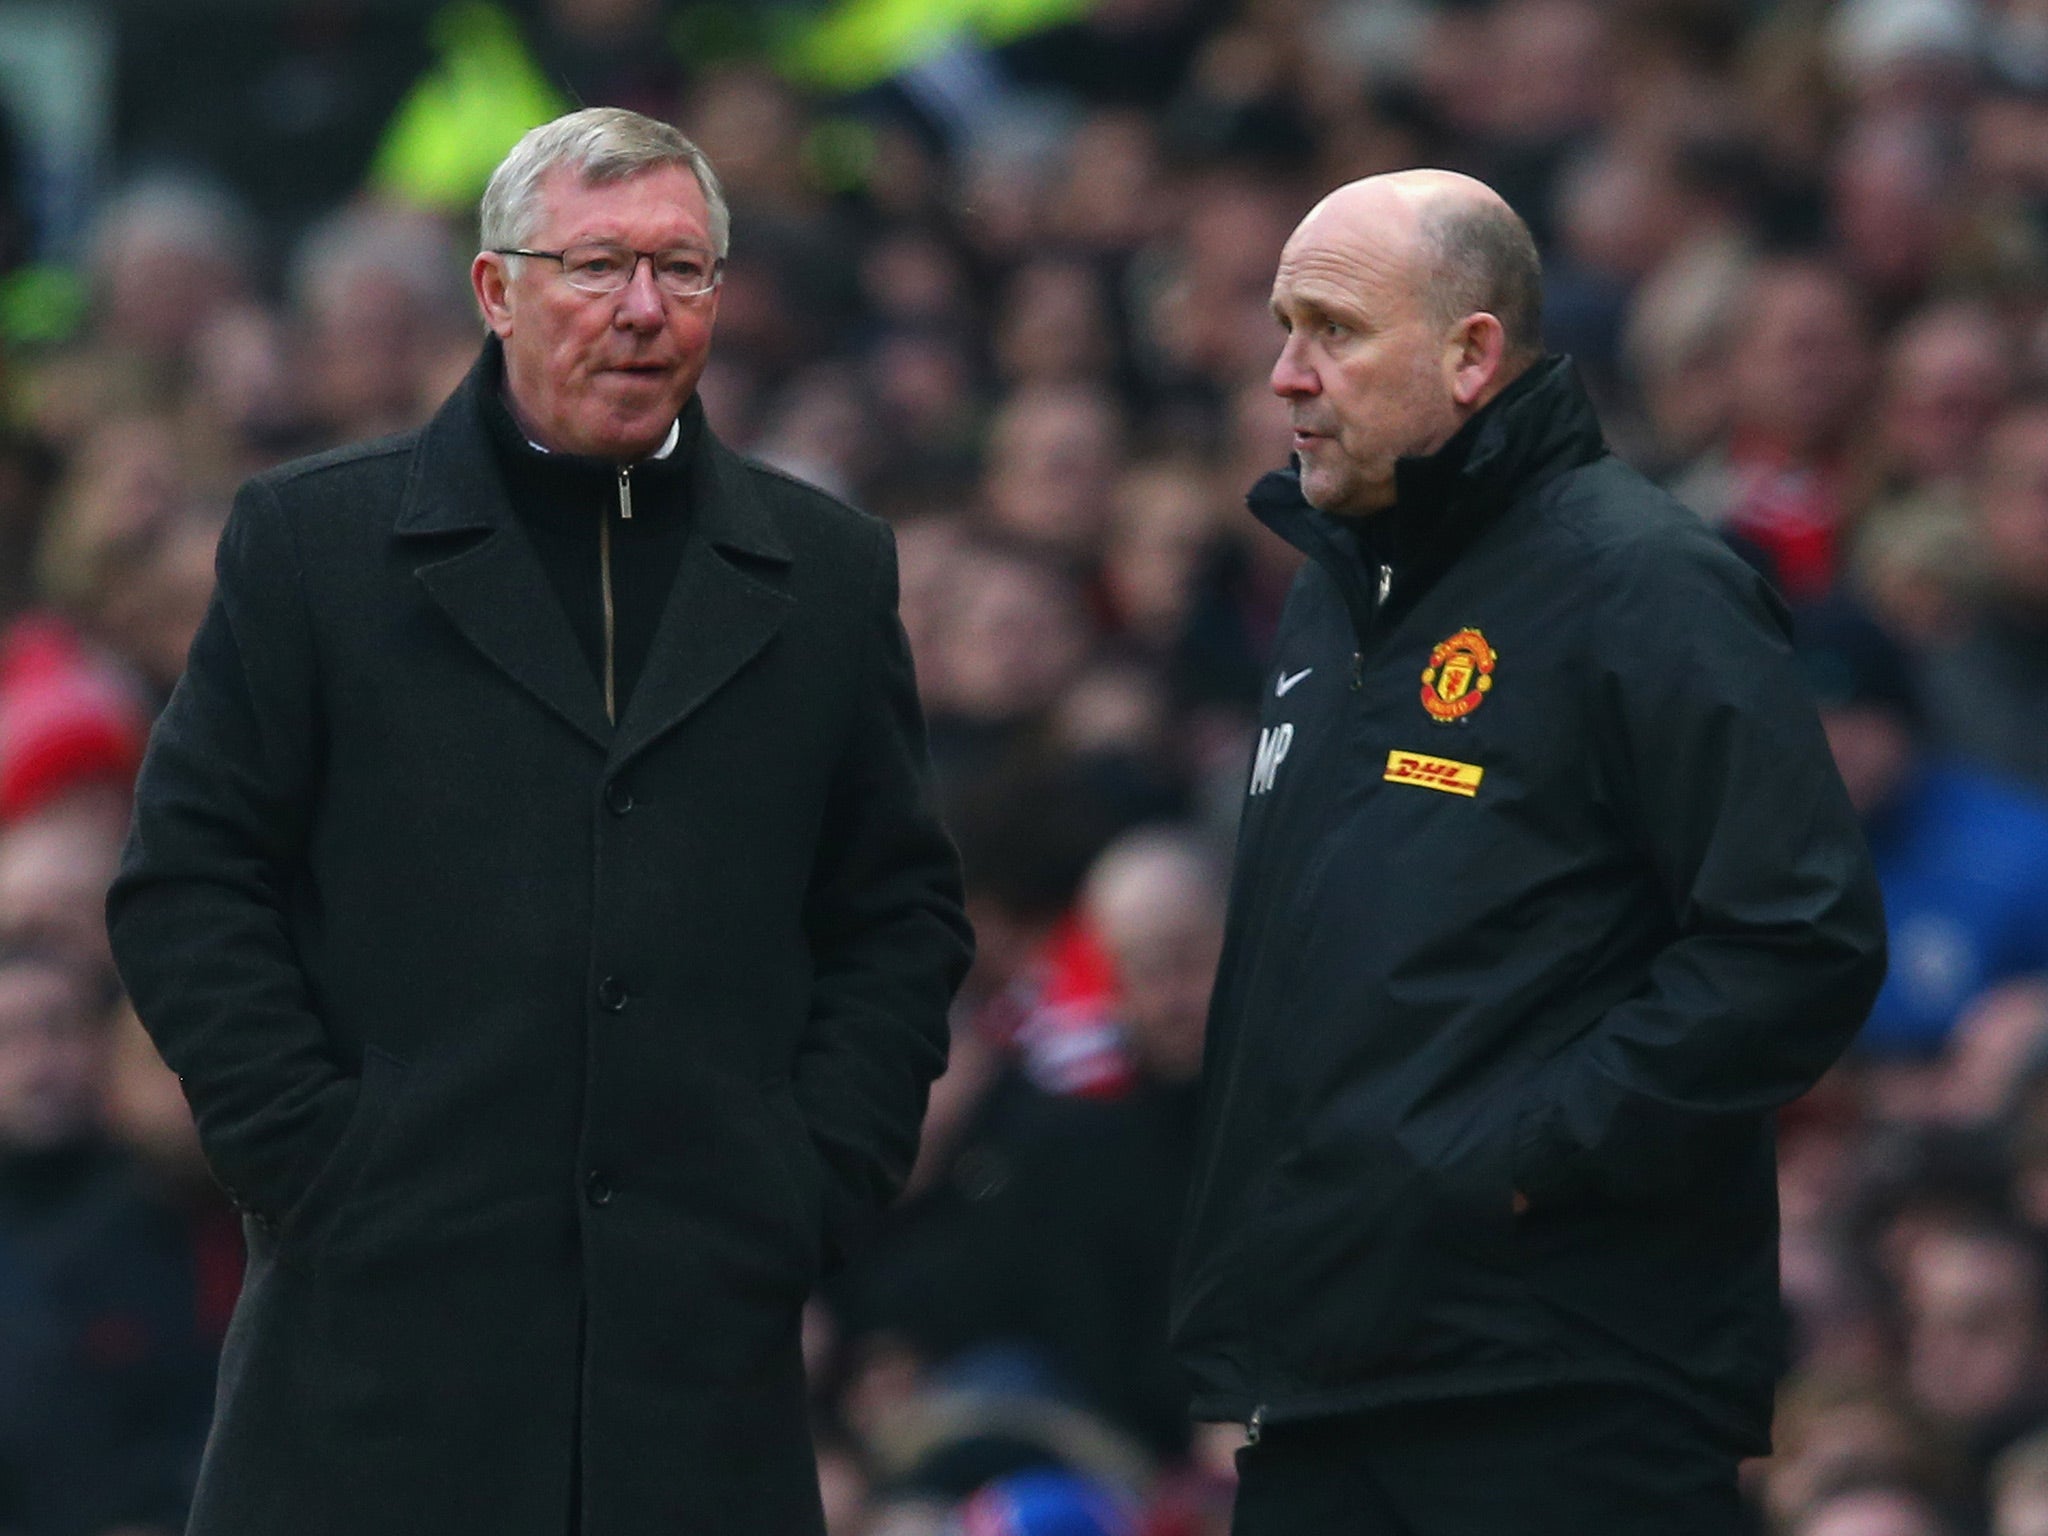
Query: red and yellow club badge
x,y
1459,675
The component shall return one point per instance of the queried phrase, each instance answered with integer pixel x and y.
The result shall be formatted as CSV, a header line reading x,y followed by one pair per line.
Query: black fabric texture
x,y
552,1060
1584,970
560,499
1561,1462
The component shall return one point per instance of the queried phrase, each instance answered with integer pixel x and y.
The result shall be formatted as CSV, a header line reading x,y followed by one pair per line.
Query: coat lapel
x,y
730,597
493,587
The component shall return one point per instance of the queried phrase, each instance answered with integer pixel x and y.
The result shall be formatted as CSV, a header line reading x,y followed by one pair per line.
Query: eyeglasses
x,y
683,273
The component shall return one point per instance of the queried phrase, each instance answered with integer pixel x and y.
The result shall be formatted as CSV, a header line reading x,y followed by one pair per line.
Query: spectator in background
x,y
1054,450
1156,899
921,383
1987,692
1917,563
1165,525
126,556
245,406
1043,1223
120,1369
1012,634
1976,1316
1994,1062
1948,372
1892,208
166,256
1105,1176
387,324
1962,856
1781,482
1949,369
819,428
1675,346
55,866
1054,326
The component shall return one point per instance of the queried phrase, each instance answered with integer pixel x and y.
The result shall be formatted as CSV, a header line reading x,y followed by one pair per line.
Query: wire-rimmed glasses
x,y
599,266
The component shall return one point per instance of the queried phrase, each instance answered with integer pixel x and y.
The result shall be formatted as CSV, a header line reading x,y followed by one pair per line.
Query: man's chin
x,y
626,437
1332,494
1340,494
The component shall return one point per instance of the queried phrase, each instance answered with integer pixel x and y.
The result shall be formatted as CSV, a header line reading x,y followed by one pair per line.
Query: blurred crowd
x,y
1010,294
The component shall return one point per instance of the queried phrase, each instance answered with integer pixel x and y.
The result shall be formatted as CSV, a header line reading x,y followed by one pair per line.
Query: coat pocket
x,y
1386,1253
797,1170
308,1225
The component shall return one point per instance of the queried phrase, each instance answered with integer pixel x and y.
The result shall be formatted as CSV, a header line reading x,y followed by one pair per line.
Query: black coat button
x,y
618,798
598,1189
611,995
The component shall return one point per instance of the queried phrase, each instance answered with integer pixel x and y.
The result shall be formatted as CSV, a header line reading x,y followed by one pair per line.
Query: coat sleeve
x,y
1724,785
888,937
197,914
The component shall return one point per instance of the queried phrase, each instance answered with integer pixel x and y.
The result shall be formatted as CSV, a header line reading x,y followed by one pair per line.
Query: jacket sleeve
x,y
1724,785
197,912
888,936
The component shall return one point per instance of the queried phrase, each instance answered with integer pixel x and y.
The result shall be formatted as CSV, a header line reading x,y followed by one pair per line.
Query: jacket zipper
x,y
1386,585
1255,1425
604,579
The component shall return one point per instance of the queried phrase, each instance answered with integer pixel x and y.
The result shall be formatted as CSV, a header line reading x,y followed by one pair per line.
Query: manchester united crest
x,y
1459,675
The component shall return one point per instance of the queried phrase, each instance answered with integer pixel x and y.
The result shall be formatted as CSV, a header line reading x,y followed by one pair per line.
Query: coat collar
x,y
456,485
1539,426
729,598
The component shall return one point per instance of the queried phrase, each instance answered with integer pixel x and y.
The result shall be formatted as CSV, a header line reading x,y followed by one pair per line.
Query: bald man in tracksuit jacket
x,y
1547,895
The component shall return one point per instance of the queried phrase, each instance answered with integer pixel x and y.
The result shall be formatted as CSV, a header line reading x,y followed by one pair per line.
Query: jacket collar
x,y
731,593
457,485
1539,426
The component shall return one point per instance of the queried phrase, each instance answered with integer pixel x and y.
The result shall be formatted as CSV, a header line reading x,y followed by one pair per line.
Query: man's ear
x,y
491,277
1478,347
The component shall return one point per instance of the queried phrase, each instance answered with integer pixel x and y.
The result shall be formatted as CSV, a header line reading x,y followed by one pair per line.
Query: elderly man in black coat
x,y
534,885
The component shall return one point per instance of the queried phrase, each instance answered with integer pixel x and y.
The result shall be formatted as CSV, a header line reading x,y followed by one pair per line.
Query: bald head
x,y
1409,302
1468,250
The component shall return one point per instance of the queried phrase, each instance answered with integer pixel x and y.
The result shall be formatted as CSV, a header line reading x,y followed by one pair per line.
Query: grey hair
x,y
598,145
1482,257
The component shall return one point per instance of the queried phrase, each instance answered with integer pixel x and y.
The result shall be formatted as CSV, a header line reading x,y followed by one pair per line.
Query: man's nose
x,y
640,302
1292,377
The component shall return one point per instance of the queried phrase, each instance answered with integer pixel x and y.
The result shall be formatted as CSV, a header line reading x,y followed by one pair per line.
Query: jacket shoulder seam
x,y
810,492
339,458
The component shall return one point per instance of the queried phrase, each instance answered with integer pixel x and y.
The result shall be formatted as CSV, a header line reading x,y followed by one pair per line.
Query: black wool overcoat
x,y
551,1061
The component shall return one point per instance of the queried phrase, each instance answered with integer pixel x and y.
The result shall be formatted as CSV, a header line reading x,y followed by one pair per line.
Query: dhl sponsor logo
x,y
1434,773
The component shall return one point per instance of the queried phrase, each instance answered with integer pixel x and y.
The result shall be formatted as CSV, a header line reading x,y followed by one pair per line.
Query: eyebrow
x,y
1317,309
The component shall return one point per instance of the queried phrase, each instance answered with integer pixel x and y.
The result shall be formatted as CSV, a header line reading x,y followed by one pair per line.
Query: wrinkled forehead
x,y
574,205
1351,263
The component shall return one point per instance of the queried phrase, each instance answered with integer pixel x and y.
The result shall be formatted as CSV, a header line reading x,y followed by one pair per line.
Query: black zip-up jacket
x,y
1546,884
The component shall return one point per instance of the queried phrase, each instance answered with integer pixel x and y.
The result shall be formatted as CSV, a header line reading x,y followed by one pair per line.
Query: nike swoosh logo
x,y
1285,683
